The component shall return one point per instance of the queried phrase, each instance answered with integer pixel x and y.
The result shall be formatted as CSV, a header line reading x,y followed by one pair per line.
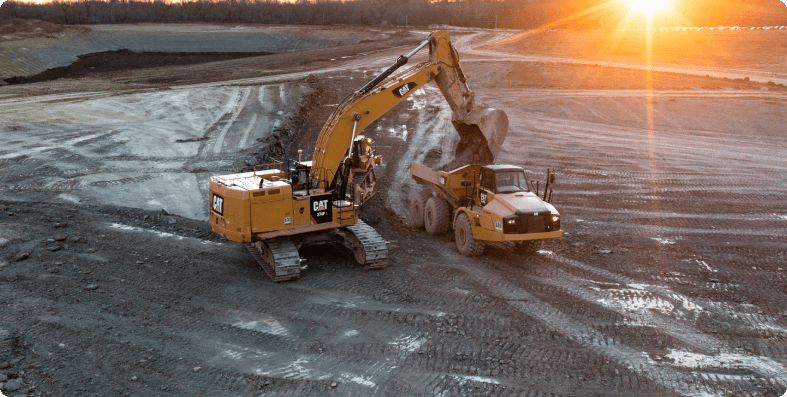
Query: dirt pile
x,y
18,25
112,61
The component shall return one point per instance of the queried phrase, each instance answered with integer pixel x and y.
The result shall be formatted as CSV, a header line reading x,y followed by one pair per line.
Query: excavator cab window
x,y
357,152
360,148
300,177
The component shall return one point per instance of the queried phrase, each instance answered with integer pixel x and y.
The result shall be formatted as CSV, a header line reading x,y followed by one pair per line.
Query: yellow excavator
x,y
275,211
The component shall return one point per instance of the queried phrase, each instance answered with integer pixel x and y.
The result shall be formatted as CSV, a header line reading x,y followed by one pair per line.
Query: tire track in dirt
x,y
77,331
355,320
531,95
643,304
219,142
173,326
196,327
656,230
539,369
635,213
677,146
725,73
597,136
212,134
664,299
590,338
735,380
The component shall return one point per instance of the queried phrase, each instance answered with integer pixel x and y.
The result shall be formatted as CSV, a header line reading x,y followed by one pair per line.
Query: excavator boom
x,y
482,130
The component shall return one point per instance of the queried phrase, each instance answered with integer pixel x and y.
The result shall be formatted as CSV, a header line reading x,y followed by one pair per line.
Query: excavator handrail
x,y
275,165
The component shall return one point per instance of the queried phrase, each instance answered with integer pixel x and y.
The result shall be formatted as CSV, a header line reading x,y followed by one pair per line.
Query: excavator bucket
x,y
481,133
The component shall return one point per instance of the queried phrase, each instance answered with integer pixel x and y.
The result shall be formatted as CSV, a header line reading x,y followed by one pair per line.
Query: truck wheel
x,y
436,215
418,207
528,246
463,234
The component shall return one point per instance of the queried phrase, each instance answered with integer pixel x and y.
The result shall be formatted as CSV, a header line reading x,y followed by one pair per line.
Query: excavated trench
x,y
113,61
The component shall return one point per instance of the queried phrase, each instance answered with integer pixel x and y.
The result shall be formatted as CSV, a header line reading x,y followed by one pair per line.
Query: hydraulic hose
x,y
401,61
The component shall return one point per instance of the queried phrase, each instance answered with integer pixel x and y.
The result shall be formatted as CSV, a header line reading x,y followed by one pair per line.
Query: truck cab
x,y
484,203
504,192
502,179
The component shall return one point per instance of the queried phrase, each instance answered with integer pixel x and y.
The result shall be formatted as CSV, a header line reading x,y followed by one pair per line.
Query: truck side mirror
x,y
551,178
467,183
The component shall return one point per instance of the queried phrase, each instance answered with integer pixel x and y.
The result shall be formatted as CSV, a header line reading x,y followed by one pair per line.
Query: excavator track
x,y
368,246
278,257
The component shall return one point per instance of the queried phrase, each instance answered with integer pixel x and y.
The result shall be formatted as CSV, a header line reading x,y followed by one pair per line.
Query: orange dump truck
x,y
484,204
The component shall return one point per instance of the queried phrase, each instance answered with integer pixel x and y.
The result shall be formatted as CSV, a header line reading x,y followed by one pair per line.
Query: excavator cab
x,y
363,153
299,175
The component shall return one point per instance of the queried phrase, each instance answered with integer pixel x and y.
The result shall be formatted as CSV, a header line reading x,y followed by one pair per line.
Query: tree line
x,y
507,14
510,14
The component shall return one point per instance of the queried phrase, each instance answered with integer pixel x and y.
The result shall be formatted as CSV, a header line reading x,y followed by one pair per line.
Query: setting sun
x,y
647,7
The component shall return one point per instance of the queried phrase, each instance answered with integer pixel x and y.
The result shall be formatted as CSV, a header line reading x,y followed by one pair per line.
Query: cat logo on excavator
x,y
321,208
403,89
218,204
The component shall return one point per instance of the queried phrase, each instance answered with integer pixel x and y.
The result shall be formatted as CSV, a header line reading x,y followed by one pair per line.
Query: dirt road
x,y
669,280
732,54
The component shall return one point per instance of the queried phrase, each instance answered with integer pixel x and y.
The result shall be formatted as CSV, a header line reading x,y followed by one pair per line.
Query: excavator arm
x,y
482,130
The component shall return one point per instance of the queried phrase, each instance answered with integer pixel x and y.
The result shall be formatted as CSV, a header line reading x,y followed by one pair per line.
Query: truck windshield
x,y
510,182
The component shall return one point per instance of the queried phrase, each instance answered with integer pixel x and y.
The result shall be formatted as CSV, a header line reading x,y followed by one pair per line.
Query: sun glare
x,y
647,7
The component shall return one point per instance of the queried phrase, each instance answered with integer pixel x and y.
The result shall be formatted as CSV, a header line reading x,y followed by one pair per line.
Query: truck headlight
x,y
555,222
511,224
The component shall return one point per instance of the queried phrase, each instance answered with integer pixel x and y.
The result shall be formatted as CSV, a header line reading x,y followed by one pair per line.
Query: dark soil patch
x,y
279,145
112,61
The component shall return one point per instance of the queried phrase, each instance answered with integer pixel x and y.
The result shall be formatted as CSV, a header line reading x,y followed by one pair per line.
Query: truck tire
x,y
463,234
418,207
528,246
436,215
